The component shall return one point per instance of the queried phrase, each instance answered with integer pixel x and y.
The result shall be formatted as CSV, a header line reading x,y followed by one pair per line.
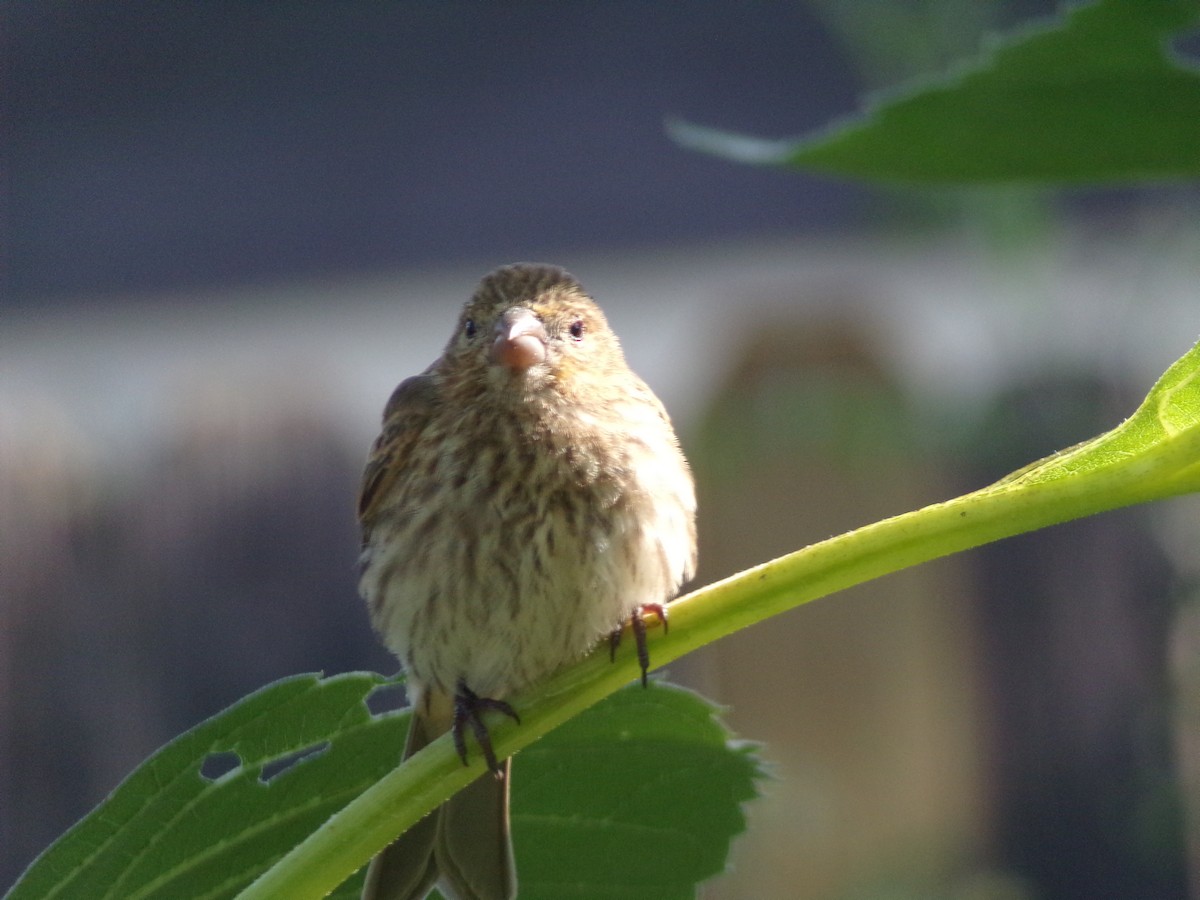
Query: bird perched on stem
x,y
526,498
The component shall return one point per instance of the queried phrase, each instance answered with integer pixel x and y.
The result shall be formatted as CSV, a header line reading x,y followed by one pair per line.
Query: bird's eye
x,y
577,330
469,329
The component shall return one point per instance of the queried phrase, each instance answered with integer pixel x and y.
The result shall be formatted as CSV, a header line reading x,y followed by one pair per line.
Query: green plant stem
x,y
1154,454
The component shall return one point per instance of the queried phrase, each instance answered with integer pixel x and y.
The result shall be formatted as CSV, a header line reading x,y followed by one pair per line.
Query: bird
x,y
526,498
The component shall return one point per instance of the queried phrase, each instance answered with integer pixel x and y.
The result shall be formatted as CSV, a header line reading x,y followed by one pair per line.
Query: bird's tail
x,y
463,846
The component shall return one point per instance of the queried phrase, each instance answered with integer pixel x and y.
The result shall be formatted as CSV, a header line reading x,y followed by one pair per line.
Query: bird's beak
x,y
520,340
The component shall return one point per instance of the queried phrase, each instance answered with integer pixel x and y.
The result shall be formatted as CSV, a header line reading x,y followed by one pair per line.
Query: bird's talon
x,y
468,710
637,624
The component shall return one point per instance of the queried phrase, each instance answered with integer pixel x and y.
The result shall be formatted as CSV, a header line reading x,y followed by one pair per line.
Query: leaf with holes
x,y
646,776
208,812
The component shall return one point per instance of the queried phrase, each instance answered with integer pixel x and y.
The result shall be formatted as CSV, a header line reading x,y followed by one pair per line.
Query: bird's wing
x,y
404,418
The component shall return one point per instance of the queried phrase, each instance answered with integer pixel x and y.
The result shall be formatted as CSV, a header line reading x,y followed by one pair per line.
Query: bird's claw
x,y
468,710
637,623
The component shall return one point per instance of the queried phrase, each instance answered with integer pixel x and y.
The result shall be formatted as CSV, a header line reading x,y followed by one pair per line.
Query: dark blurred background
x,y
215,144
229,229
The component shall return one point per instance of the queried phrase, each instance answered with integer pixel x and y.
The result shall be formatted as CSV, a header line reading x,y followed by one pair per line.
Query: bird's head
x,y
529,329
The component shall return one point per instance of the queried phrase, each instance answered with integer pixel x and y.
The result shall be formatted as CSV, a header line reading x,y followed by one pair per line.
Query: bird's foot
x,y
637,623
468,710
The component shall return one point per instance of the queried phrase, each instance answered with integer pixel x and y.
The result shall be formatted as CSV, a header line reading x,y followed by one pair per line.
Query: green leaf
x,y
650,821
170,831
1156,451
1094,97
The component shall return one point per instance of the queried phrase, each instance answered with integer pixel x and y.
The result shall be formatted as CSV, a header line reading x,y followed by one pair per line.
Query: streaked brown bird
x,y
526,498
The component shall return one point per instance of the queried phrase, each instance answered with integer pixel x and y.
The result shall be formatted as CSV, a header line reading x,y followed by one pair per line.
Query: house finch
x,y
526,497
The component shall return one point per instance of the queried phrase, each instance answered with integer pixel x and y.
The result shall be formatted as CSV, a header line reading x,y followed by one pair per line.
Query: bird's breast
x,y
520,549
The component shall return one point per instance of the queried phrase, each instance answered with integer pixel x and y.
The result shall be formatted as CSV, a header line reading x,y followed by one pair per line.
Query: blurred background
x,y
228,230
